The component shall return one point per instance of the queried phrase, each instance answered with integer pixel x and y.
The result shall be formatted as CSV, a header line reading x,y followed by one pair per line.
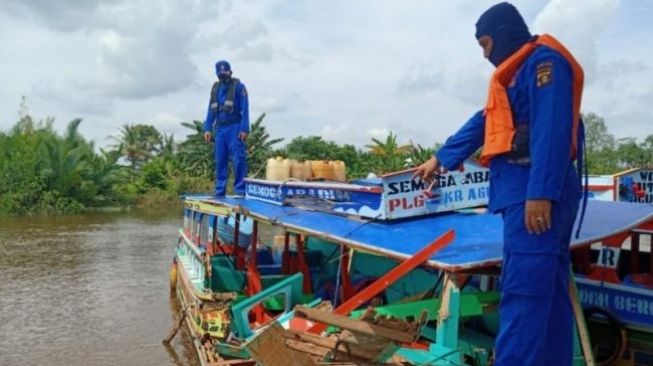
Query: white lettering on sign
x,y
262,191
594,298
633,305
608,257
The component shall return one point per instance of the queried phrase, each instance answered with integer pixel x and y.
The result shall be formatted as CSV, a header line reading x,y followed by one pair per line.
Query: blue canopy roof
x,y
479,236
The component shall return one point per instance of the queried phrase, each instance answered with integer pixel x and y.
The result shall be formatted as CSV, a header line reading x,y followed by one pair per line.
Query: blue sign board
x,y
633,304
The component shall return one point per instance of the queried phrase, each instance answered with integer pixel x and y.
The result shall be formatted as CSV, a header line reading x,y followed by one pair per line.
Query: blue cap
x,y
222,66
507,28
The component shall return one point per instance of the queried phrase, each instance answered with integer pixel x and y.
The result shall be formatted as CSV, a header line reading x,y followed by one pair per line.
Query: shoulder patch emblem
x,y
544,73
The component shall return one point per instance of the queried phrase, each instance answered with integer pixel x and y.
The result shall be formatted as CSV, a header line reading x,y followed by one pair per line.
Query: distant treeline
x,y
42,171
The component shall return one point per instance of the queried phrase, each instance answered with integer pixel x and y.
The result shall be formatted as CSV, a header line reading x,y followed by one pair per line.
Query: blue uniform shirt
x,y
240,113
547,105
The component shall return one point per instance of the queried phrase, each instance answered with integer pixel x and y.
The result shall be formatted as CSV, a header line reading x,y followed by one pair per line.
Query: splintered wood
x,y
372,340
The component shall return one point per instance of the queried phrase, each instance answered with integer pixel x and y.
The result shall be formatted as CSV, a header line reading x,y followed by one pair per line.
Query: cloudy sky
x,y
344,70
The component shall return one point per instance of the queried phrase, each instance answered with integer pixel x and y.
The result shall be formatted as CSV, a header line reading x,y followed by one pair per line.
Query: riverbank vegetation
x,y
43,171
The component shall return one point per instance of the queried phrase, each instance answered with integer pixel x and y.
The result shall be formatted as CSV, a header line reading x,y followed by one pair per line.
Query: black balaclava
x,y
503,23
223,70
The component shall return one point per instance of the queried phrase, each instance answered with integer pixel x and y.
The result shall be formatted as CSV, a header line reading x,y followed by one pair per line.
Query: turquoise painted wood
x,y
291,288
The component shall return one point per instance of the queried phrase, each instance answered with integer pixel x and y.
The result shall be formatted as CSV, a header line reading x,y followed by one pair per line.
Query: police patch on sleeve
x,y
544,73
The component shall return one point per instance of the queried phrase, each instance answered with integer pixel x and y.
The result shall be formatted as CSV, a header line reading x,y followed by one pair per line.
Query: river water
x,y
91,289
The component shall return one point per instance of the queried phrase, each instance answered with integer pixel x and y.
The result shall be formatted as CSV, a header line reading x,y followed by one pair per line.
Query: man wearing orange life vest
x,y
528,132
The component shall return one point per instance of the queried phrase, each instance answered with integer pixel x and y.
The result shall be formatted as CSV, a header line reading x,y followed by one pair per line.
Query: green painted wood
x,y
471,304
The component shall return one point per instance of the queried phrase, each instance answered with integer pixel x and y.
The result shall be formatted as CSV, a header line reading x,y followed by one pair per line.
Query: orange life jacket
x,y
499,126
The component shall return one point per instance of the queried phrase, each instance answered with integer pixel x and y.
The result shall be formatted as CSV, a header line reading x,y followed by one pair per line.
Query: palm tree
x,y
389,154
167,146
139,143
64,164
107,175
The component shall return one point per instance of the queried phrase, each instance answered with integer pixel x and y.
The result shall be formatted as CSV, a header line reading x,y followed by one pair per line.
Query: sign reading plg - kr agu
x,y
406,196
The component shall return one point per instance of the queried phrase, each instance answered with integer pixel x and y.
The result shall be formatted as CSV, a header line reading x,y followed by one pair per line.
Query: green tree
x,y
195,156
20,185
631,154
600,146
310,148
419,154
259,147
109,177
140,143
647,145
167,147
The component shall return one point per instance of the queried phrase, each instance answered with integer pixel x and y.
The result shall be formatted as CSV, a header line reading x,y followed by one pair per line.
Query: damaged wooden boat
x,y
294,274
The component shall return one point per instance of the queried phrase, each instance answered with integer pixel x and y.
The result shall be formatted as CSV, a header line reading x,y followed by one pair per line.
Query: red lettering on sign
x,y
394,203
406,203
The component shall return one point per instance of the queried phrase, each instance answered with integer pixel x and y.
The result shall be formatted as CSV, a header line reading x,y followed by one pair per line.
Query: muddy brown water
x,y
89,289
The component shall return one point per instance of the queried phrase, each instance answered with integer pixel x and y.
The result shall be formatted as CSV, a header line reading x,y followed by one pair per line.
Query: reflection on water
x,y
91,289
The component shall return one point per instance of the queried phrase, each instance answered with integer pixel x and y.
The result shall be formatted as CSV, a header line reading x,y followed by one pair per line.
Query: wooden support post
x,y
254,244
449,319
254,285
390,277
347,290
581,326
238,251
214,238
285,257
303,266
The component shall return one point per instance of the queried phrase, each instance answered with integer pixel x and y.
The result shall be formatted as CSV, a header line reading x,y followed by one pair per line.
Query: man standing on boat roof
x,y
227,119
527,131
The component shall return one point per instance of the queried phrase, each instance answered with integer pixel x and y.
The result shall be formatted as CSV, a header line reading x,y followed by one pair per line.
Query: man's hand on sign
x,y
243,136
426,170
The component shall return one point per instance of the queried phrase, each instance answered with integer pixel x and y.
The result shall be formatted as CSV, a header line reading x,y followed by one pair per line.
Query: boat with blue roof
x,y
386,270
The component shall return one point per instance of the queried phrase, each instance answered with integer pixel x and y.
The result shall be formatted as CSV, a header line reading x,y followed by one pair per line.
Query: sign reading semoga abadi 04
x,y
405,196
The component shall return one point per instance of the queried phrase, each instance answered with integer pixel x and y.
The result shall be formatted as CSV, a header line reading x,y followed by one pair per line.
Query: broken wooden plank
x,y
324,306
358,326
331,343
368,341
269,349
233,363
307,348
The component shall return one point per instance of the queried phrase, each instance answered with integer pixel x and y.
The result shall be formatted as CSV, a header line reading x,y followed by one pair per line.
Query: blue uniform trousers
x,y
228,144
536,316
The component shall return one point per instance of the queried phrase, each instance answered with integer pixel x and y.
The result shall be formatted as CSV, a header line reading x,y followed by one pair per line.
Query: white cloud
x,y
345,70
378,132
579,25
